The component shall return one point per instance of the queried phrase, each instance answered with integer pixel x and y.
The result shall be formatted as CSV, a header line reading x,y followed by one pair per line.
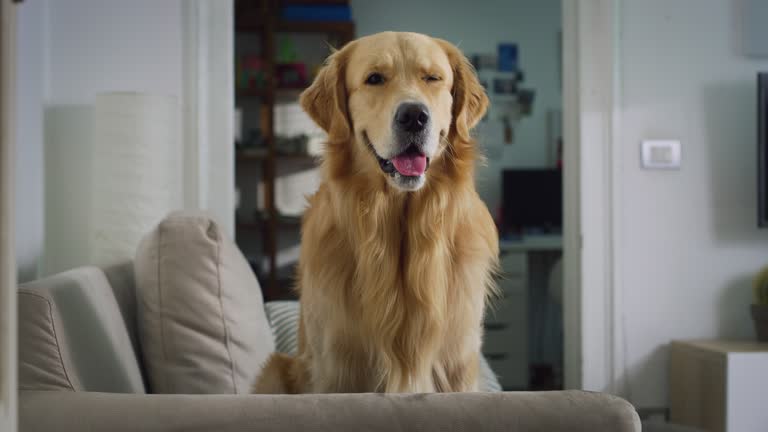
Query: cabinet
x,y
719,386
505,345
516,324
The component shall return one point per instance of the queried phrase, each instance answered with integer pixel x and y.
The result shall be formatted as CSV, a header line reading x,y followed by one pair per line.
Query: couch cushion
x,y
200,312
72,336
120,277
42,364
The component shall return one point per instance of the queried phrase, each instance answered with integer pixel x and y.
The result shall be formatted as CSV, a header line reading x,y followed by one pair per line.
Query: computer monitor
x,y
532,201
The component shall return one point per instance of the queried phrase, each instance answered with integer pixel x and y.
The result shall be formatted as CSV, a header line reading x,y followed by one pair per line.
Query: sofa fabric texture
x,y
72,336
569,411
200,314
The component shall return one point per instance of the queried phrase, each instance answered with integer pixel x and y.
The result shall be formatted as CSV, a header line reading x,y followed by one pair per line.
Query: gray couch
x,y
80,369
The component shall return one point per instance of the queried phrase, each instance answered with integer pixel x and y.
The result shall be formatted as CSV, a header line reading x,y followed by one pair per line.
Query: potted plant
x,y
760,307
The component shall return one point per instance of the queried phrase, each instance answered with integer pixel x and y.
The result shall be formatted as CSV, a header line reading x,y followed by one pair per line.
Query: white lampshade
x,y
135,171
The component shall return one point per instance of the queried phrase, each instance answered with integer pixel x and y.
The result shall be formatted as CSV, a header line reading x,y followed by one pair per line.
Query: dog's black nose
x,y
412,117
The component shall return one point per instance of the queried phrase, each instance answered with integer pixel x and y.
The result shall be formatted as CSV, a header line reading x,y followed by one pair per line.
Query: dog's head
x,y
392,103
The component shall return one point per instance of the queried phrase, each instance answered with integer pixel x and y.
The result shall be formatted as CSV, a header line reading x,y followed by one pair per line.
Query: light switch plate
x,y
660,154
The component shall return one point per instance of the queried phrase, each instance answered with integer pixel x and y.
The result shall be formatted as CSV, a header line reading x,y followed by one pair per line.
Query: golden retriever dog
x,y
398,251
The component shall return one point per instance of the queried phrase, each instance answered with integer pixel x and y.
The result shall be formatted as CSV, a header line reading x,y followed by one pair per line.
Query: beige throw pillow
x,y
201,317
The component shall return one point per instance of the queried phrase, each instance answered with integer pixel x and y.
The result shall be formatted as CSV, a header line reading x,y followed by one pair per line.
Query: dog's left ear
x,y
326,99
469,99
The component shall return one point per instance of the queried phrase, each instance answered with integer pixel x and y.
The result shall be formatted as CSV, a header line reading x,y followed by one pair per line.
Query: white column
x,y
208,109
8,350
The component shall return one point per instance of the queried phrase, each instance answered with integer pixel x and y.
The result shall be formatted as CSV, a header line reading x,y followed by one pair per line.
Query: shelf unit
x,y
262,18
260,155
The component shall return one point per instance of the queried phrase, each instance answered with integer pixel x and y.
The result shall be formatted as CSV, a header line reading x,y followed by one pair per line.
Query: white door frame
x,y
592,307
208,108
593,328
8,374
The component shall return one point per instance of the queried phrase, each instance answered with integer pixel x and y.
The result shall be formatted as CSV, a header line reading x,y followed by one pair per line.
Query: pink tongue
x,y
410,165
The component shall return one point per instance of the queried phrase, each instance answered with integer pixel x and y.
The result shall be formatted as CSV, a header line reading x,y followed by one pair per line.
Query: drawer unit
x,y
511,371
507,311
505,343
514,265
512,286
507,356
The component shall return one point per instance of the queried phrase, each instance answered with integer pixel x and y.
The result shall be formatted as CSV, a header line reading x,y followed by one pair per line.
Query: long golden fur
x,y
393,280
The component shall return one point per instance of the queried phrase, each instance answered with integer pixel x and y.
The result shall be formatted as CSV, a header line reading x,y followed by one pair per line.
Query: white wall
x,y
30,93
98,46
687,240
71,50
477,27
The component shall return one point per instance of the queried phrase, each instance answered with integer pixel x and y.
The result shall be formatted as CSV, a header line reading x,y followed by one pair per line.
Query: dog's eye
x,y
432,78
374,79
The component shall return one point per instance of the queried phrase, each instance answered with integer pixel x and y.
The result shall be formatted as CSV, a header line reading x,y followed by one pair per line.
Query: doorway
x,y
518,56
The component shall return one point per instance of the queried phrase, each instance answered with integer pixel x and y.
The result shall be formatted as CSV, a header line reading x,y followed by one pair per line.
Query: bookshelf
x,y
261,19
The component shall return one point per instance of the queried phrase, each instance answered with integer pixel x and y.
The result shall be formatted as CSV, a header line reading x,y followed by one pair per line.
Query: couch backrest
x,y
123,283
77,332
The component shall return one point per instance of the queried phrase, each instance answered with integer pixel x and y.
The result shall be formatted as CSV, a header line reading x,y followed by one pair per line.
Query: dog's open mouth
x,y
412,162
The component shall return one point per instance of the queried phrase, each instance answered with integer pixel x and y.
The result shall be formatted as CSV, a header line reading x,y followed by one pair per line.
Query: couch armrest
x,y
571,411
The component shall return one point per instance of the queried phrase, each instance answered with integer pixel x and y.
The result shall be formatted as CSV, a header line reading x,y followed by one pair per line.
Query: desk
x,y
516,324
532,243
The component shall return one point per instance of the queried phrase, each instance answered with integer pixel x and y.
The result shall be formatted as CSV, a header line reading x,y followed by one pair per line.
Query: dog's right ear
x,y
326,99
